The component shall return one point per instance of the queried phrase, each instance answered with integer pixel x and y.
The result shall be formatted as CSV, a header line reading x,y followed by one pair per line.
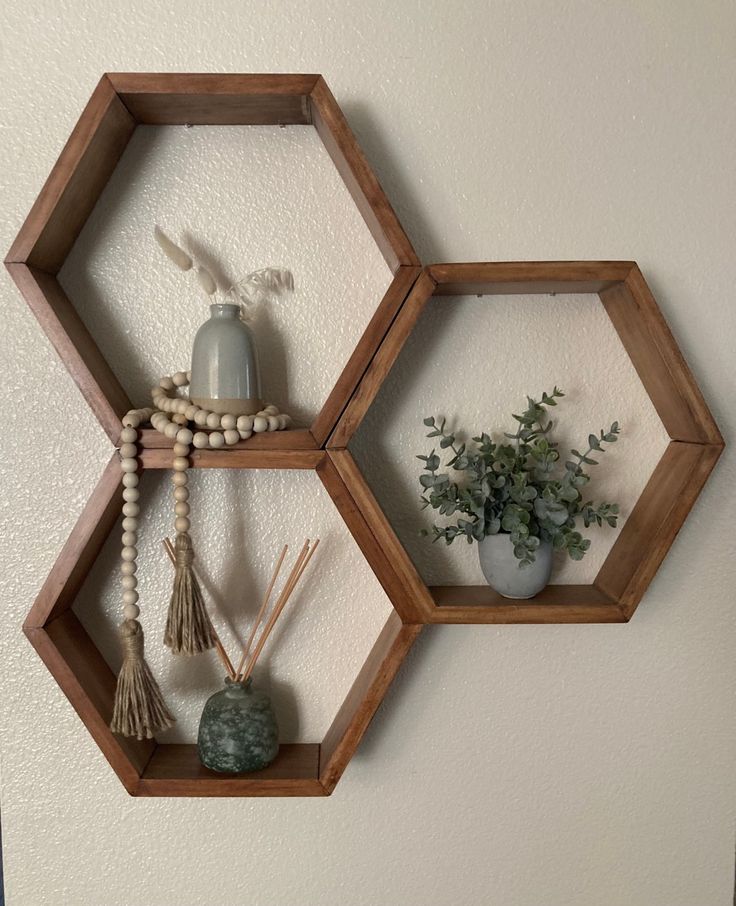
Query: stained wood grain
x,y
75,183
382,361
72,341
554,604
501,278
361,182
378,541
291,439
215,98
236,458
366,694
175,770
658,361
83,676
373,546
657,517
80,551
363,353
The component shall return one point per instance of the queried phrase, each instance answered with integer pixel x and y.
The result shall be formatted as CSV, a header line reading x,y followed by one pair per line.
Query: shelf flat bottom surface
x,y
175,770
554,604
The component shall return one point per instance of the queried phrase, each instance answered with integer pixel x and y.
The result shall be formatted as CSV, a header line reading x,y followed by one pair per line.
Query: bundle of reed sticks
x,y
251,652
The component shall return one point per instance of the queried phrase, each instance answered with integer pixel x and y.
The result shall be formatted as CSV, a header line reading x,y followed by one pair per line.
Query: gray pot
x,y
225,375
502,570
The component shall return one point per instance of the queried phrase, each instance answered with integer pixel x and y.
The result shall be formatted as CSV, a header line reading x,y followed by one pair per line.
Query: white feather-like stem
x,y
206,281
172,250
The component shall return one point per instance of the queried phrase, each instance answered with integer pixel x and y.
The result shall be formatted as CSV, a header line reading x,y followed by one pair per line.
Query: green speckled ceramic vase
x,y
238,730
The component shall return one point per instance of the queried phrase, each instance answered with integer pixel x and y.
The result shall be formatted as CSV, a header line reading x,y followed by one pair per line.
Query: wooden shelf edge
x,y
175,770
554,604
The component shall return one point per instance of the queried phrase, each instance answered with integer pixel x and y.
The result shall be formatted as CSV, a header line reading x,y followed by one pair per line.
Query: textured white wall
x,y
564,765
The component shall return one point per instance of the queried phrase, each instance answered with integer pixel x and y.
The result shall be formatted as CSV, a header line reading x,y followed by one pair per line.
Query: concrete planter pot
x,y
502,570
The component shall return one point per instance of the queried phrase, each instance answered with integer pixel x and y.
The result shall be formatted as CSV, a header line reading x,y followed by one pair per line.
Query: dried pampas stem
x,y
139,709
172,250
188,626
206,280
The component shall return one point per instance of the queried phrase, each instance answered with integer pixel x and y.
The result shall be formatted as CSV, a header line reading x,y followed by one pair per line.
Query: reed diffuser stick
x,y
266,598
227,663
296,573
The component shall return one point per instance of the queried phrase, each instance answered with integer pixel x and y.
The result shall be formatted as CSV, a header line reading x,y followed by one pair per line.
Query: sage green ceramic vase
x,y
225,375
238,730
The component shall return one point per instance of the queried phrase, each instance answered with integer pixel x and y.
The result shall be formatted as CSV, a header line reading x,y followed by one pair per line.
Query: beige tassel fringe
x,y
188,626
140,709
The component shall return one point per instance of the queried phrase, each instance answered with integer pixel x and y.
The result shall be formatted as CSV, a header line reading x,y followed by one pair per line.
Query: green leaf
x,y
429,422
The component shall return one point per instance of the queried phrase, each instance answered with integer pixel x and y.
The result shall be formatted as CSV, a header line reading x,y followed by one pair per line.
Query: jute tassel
x,y
140,709
188,626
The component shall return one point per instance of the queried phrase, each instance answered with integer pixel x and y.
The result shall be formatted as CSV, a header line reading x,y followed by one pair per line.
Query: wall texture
x,y
568,765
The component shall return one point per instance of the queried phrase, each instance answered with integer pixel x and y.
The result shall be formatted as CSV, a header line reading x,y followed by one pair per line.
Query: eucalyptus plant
x,y
516,488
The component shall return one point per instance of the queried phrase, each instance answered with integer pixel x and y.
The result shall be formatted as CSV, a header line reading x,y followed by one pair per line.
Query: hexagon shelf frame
x,y
651,527
147,768
121,102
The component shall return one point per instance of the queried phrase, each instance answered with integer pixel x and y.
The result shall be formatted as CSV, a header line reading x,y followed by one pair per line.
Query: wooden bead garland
x,y
139,708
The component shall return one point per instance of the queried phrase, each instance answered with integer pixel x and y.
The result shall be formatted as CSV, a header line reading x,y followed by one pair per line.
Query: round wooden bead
x,y
130,596
131,611
273,422
128,465
228,421
231,437
189,377
181,493
132,420
179,379
184,436
130,524
245,423
128,435
282,422
131,509
260,424
217,440
179,479
200,440
128,567
190,413
213,420
166,383
181,508
129,582
181,449
271,410
244,435
180,464
179,419
171,430
261,414
131,494
157,392
128,451
181,524
128,554
201,417
182,405
131,479
129,538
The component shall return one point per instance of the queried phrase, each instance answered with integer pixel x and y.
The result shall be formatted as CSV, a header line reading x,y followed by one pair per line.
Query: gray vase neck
x,y
237,688
224,310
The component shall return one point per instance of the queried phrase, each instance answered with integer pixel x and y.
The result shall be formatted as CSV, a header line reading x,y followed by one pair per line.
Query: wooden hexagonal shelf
x,y
147,768
651,527
120,103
